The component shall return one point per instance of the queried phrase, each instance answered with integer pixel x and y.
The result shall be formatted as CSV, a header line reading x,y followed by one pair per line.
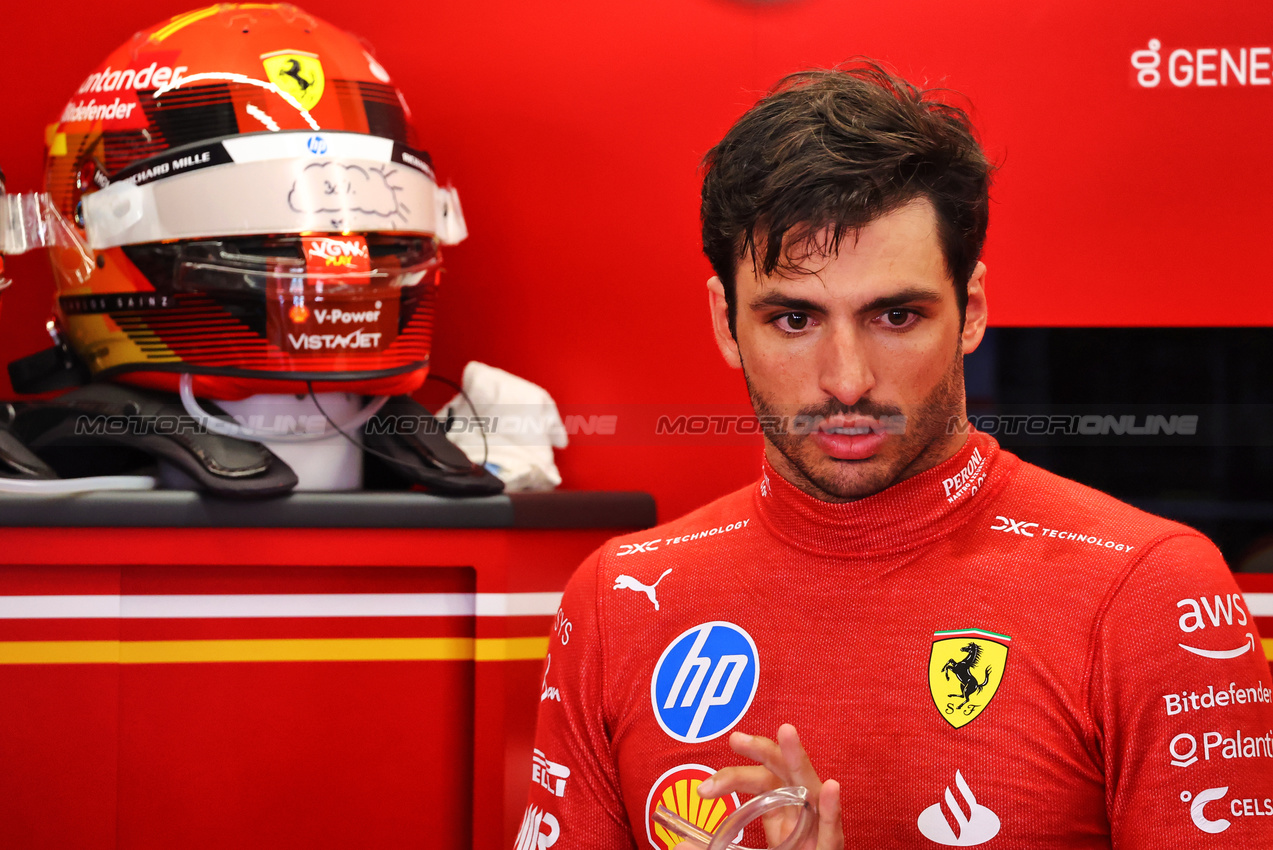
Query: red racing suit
x,y
984,653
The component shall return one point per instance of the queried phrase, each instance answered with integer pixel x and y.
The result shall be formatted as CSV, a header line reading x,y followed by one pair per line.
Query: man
x,y
972,650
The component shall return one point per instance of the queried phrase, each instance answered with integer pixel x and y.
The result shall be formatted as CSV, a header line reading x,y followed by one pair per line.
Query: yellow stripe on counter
x,y
59,652
1268,647
311,649
315,649
512,649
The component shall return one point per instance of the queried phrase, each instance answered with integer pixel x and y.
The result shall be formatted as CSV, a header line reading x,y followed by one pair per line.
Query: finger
x,y
763,750
796,764
746,779
757,748
830,827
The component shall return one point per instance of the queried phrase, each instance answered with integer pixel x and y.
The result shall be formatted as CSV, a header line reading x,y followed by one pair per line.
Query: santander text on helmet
x,y
152,76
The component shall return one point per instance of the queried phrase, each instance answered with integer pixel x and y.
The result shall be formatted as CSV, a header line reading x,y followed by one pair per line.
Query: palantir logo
x,y
705,681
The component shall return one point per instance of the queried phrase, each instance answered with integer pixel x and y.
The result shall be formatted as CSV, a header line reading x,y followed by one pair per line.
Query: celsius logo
x,y
1197,809
705,681
978,826
539,831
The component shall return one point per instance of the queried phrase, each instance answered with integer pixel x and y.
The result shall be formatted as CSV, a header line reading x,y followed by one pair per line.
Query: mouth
x,y
858,431
850,438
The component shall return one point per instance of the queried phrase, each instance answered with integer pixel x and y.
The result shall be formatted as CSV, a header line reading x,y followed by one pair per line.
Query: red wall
x,y
573,131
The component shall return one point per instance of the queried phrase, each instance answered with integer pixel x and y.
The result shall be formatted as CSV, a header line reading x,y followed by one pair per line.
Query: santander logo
x,y
975,826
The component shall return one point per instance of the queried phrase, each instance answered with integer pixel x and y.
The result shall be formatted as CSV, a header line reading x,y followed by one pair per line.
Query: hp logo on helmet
x,y
317,145
705,681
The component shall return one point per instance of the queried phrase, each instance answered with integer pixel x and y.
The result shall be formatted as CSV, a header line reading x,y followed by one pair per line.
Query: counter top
x,y
188,509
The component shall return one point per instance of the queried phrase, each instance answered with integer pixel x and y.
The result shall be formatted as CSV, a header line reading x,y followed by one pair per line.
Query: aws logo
x,y
965,668
677,791
1220,611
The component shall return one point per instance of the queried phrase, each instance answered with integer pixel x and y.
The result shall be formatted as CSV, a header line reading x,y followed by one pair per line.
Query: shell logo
x,y
677,789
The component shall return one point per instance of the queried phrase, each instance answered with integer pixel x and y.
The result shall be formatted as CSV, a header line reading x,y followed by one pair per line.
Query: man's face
x,y
859,362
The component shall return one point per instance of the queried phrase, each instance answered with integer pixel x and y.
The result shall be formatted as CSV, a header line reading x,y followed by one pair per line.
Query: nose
x,y
844,368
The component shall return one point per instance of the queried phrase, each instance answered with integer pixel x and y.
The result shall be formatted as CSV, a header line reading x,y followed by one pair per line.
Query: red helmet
x,y
259,214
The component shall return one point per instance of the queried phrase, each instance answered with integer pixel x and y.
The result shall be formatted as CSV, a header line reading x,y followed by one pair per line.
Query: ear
x,y
720,323
976,314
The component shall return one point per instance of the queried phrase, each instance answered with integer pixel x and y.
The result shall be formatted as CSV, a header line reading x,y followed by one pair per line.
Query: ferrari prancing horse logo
x,y
296,73
964,672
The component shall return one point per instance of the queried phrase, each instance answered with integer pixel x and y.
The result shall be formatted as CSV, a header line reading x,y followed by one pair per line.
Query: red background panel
x,y
306,755
574,130
59,756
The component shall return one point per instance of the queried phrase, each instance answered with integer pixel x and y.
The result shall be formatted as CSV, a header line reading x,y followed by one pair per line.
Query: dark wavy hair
x,y
826,153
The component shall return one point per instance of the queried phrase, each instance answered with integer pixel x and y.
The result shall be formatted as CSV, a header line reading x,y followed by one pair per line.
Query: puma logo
x,y
629,583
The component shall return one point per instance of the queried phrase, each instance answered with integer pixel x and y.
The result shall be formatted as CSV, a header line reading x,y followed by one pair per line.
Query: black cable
x,y
362,446
486,449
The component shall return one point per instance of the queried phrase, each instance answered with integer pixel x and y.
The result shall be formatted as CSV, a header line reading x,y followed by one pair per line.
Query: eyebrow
x,y
910,295
915,294
777,299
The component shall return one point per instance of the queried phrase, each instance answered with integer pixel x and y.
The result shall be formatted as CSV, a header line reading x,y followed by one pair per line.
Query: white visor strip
x,y
25,223
30,220
275,184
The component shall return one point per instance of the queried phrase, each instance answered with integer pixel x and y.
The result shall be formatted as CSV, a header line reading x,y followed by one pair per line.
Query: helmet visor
x,y
289,182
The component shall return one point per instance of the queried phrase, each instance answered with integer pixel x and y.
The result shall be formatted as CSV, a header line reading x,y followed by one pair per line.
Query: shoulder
x,y
638,560
730,514
1043,505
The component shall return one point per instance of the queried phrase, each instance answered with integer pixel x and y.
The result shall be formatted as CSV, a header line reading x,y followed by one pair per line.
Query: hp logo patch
x,y
705,681
317,144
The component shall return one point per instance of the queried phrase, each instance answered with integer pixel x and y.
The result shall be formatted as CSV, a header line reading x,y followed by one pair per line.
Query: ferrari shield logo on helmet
x,y
296,73
964,672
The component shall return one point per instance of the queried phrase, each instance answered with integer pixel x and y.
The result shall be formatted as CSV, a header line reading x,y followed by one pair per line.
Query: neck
x,y
923,506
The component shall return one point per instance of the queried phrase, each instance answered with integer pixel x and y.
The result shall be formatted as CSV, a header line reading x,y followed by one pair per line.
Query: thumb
x,y
830,827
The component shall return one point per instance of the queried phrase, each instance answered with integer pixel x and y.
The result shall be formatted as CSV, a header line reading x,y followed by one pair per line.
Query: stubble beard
x,y
927,440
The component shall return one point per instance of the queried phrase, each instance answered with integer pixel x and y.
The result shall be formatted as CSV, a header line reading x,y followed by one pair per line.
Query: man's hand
x,y
782,764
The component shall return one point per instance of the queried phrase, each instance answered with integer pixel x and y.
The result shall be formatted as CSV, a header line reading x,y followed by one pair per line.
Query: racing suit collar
x,y
903,516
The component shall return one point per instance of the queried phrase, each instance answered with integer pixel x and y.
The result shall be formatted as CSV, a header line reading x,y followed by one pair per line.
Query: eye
x,y
792,322
899,318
